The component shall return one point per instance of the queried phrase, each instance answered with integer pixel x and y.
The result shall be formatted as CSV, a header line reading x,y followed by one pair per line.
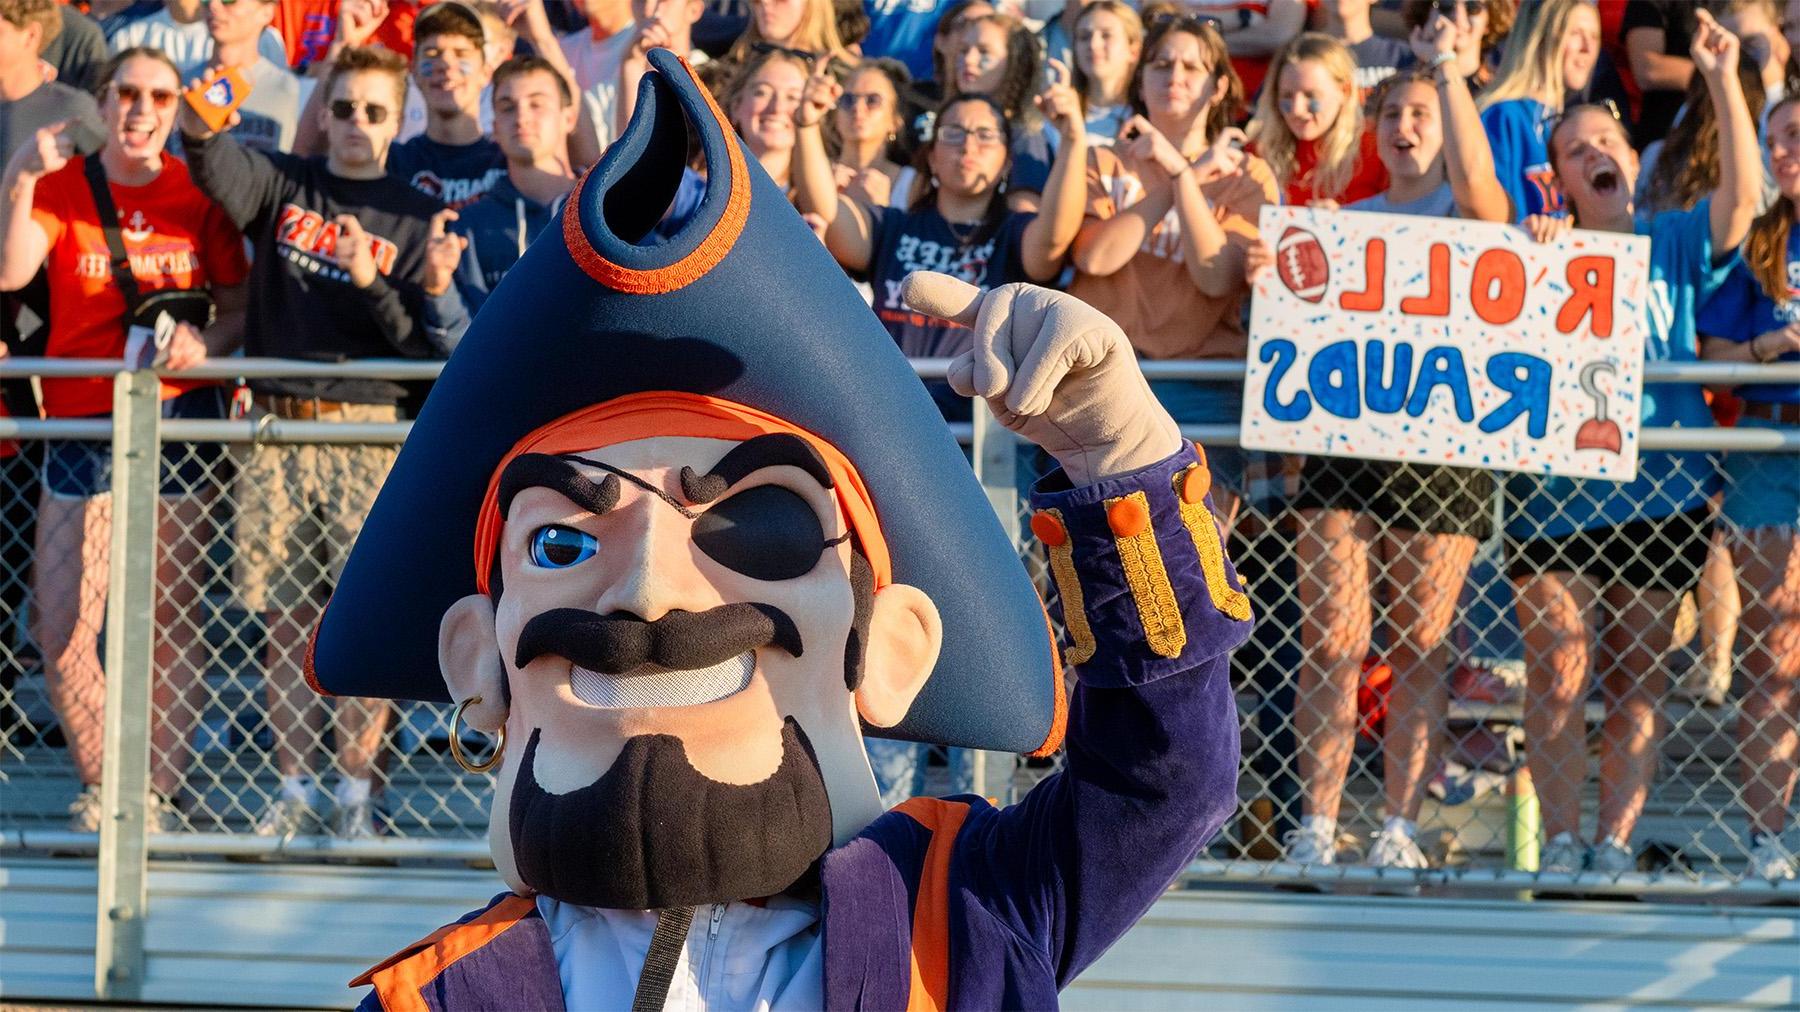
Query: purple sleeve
x,y
1153,742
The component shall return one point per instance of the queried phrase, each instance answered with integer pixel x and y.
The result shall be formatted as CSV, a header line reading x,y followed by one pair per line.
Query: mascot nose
x,y
653,573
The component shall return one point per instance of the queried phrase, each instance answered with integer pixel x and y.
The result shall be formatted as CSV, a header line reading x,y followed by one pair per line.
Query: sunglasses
x,y
870,100
161,99
344,109
1185,23
765,48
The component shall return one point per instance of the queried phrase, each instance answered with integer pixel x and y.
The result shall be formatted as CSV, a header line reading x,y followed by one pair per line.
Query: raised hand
x,y
1055,370
1060,103
355,251
443,250
50,149
817,101
358,20
1715,49
1437,35
1547,228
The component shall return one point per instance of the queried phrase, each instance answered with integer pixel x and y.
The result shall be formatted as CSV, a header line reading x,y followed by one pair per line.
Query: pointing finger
x,y
942,296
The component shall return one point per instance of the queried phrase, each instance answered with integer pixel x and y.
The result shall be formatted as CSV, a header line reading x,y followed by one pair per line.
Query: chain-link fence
x,y
1420,653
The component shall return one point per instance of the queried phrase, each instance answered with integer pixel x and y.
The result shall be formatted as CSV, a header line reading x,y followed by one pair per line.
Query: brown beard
x,y
654,832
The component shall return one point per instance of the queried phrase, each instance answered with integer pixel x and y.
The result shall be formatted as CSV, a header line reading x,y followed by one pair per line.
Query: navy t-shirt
x,y
456,174
907,241
1741,310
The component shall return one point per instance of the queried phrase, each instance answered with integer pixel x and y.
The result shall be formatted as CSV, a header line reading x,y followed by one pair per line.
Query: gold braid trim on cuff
x,y
1210,547
1141,559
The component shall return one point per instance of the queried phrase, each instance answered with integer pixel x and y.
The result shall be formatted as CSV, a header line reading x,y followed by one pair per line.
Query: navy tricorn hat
x,y
744,304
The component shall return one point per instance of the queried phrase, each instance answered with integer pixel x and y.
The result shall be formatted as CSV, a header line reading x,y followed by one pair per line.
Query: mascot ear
x,y
904,636
469,657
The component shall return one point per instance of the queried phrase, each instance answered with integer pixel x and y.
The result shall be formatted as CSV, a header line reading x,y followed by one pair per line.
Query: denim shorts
x,y
82,469
1191,402
1762,489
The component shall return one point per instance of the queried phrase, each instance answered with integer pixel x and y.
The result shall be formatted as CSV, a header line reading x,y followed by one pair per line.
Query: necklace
x,y
962,233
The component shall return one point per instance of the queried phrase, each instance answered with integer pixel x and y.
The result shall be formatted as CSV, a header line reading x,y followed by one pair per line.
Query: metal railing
x,y
1480,819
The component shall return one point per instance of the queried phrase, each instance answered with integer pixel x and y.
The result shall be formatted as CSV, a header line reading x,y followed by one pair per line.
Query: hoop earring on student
x,y
456,746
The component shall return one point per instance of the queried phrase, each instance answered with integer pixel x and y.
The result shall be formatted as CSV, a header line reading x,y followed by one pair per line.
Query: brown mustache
x,y
680,640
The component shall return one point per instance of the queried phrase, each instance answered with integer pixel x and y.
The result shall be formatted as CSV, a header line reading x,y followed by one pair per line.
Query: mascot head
x,y
680,521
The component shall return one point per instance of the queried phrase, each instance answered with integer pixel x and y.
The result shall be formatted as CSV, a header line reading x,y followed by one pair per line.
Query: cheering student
x,y
534,113
1617,556
763,103
1553,59
1170,211
350,263
1109,39
1755,317
1416,525
998,58
1309,126
868,122
185,258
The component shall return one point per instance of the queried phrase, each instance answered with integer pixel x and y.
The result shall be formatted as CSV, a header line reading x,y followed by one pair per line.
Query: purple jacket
x,y
957,904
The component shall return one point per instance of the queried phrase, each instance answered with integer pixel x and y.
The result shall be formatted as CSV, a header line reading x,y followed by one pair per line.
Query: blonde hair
x,y
816,34
1339,147
1134,36
1531,64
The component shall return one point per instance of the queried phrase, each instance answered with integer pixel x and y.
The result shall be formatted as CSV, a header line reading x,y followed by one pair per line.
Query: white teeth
x,y
649,685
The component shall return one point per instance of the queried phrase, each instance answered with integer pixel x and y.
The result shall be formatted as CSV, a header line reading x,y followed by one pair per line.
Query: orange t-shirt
x,y
1368,178
1152,298
308,26
176,238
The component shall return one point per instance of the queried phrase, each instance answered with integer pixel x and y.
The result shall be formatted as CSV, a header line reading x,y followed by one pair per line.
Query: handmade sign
x,y
1398,337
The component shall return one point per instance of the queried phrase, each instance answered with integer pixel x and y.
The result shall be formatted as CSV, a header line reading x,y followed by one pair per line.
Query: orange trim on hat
x,y
696,264
668,413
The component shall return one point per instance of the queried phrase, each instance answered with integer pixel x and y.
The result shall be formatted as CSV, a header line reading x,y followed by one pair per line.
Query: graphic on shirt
x,y
966,263
156,261
308,241
455,193
1542,178
136,228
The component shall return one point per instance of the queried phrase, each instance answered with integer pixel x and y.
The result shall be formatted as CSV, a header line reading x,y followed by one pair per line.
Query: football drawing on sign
x,y
1302,264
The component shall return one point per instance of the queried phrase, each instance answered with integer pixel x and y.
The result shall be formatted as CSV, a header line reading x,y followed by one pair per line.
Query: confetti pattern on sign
x,y
1448,342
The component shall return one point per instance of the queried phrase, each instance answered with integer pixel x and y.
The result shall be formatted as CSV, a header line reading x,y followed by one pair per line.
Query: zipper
x,y
712,935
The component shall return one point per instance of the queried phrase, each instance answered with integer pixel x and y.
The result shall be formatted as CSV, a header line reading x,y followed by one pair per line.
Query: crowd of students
x,y
394,160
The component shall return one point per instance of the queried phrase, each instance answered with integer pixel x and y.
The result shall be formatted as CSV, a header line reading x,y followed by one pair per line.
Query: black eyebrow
x,y
752,455
539,470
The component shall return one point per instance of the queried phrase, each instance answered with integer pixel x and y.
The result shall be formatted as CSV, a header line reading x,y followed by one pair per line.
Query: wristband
x,y
1440,59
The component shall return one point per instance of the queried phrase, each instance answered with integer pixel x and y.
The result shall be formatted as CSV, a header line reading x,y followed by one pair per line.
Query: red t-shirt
x,y
308,26
1368,178
176,239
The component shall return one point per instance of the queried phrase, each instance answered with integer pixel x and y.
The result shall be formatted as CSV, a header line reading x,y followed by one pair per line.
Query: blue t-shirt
x,y
456,174
903,30
1683,275
1741,310
907,241
1518,130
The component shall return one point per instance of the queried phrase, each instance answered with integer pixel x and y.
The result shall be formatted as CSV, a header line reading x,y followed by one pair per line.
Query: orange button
x,y
1195,482
1127,518
1048,529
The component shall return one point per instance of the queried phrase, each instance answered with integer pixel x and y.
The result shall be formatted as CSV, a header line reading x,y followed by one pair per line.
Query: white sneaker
x,y
1309,846
288,818
160,814
1611,858
1394,848
84,811
1562,855
1769,859
354,821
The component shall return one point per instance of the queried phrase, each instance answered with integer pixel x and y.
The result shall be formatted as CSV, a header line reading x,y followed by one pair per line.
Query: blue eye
x,y
559,547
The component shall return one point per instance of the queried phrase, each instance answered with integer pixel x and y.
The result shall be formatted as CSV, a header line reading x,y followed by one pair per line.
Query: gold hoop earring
x,y
456,746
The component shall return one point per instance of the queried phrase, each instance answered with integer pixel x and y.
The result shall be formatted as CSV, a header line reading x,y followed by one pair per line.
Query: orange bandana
x,y
665,413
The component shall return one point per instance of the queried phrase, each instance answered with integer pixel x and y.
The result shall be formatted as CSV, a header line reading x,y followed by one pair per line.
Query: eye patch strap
x,y
635,480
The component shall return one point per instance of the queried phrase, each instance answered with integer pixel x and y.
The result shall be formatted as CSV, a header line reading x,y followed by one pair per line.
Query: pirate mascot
x,y
679,526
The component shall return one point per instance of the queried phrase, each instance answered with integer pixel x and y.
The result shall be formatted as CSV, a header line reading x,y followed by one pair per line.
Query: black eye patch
x,y
766,533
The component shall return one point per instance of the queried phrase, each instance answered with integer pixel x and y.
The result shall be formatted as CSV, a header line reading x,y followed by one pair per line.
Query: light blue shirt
x,y
1684,273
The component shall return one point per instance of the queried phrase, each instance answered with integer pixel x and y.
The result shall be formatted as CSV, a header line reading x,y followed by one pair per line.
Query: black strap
x,y
659,965
115,242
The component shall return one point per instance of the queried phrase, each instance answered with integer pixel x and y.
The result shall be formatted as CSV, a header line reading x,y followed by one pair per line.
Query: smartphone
x,y
215,102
